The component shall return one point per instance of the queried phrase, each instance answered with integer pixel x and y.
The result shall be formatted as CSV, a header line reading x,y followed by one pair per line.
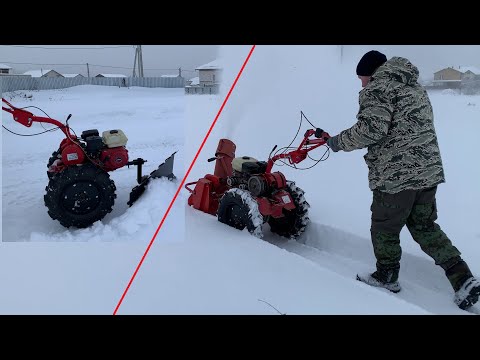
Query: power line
x,y
112,67
69,48
22,63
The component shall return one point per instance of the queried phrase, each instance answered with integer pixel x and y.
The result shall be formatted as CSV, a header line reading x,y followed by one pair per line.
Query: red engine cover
x,y
114,158
275,180
72,155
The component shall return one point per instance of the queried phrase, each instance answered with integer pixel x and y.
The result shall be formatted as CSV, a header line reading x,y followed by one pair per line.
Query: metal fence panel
x,y
13,83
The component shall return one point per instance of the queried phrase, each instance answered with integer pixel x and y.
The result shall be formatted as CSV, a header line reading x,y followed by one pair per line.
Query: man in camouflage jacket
x,y
395,123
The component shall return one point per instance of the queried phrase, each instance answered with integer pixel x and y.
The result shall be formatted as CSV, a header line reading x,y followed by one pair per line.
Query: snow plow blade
x,y
164,170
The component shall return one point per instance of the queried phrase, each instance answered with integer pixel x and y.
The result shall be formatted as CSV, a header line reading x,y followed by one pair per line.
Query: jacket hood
x,y
398,69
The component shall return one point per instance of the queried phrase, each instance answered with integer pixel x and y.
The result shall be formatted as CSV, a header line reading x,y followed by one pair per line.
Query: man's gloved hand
x,y
333,143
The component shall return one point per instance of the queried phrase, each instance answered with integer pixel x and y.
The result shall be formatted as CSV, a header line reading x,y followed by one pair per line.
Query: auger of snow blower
x,y
80,191
244,192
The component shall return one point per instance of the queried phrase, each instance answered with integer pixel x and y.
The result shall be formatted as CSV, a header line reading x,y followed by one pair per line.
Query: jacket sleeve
x,y
373,121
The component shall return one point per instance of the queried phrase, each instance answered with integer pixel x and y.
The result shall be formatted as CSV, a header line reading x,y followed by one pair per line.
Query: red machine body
x,y
267,187
274,206
209,189
207,193
224,156
72,154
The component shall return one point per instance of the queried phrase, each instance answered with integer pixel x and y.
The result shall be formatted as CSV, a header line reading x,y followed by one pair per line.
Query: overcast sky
x,y
169,57
428,58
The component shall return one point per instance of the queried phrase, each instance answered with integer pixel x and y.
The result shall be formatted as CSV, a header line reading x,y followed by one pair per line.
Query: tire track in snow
x,y
423,283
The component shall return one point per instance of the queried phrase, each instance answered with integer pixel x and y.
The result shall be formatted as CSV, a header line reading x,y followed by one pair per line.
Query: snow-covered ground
x,y
220,270
152,120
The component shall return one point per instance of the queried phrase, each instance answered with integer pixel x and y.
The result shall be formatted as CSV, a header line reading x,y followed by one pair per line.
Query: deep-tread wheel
x,y
80,195
295,221
239,209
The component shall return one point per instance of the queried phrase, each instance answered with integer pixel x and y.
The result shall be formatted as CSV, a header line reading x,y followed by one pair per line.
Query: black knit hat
x,y
370,62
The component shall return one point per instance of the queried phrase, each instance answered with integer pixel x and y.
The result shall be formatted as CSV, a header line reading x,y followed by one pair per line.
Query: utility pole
x,y
88,71
140,61
135,62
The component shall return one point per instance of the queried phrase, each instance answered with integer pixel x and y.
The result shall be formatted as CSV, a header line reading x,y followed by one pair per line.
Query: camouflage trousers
x,y
417,210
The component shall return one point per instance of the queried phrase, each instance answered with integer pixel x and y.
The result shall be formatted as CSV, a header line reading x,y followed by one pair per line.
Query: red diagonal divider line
x,y
183,181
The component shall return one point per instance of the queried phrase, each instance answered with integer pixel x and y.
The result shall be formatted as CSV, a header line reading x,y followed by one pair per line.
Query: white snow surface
x,y
152,120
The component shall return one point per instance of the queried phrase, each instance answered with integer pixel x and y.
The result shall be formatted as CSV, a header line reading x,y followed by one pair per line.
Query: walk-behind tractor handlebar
x,y
298,155
26,118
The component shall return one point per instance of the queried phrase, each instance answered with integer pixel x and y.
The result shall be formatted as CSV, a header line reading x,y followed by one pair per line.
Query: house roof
x,y
448,68
473,69
37,73
215,64
169,75
71,75
3,66
113,75
195,81
462,69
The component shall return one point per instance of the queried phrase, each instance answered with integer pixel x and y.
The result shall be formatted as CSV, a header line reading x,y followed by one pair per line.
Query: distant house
x,y
208,80
73,75
470,80
5,69
210,74
43,73
469,72
448,74
112,75
453,77
170,76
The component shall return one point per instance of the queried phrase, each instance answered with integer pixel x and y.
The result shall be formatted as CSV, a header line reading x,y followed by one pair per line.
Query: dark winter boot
x,y
468,294
466,287
385,278
457,272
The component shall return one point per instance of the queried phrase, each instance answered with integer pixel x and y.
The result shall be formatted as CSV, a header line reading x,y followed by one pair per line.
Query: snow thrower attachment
x,y
80,191
244,192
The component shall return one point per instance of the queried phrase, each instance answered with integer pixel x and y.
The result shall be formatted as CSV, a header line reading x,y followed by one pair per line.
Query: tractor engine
x,y
249,174
108,149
